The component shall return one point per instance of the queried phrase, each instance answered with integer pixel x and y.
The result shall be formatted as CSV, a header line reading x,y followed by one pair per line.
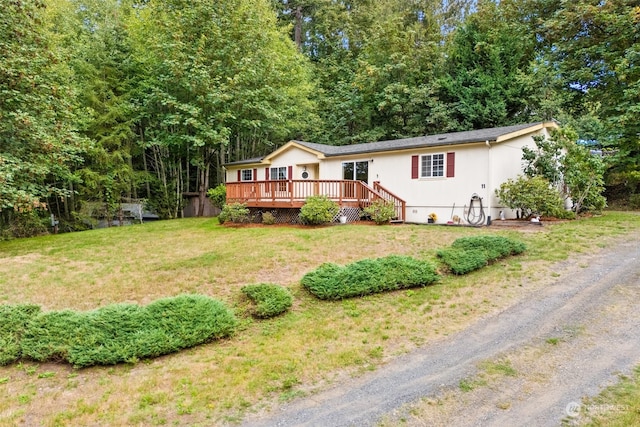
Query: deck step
x,y
396,221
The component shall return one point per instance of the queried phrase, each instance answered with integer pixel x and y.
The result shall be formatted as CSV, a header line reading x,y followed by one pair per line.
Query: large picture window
x,y
432,165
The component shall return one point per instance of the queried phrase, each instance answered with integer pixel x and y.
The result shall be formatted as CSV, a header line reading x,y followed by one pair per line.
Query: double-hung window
x,y
431,165
247,175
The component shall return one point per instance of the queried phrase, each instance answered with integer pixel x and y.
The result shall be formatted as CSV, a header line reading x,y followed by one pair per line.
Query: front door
x,y
280,176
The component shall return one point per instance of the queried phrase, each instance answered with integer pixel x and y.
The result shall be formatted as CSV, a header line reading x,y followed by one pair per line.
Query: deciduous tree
x,y
38,140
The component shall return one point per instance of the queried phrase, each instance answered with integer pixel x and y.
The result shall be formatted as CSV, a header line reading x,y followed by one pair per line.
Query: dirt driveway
x,y
555,347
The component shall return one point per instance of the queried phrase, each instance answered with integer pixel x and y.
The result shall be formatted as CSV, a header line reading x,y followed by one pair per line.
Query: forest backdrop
x,y
107,100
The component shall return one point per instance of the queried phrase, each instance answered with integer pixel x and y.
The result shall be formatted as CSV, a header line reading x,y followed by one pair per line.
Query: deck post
x,y
291,191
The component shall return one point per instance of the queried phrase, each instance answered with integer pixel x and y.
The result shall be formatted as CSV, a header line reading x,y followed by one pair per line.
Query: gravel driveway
x,y
565,342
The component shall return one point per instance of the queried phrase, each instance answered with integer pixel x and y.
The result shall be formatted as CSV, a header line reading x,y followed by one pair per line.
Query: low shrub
x,y
270,299
531,196
49,336
13,323
467,254
495,246
565,214
236,212
218,195
126,332
318,210
268,218
368,276
28,224
463,261
381,211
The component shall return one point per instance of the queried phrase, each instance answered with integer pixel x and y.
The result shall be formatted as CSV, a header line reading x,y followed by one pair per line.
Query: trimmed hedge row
x,y
270,299
368,276
115,333
13,323
467,254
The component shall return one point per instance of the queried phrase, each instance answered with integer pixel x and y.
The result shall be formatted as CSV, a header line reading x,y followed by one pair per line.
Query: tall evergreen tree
x,y
106,75
595,48
485,82
375,64
397,69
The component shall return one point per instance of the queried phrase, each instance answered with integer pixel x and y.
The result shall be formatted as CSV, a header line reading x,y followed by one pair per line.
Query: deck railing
x,y
293,193
399,204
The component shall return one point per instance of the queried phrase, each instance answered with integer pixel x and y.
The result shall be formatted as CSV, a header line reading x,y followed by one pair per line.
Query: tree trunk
x,y
177,213
298,27
69,202
146,173
202,189
188,185
220,171
133,192
160,171
144,162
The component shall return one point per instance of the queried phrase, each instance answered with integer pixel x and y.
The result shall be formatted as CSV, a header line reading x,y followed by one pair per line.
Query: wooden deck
x,y
293,193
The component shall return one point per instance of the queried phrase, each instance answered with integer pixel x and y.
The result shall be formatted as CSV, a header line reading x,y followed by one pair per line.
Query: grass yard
x,y
314,344
617,406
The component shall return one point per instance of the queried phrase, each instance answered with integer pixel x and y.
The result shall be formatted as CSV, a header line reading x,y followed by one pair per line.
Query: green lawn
x,y
315,343
617,406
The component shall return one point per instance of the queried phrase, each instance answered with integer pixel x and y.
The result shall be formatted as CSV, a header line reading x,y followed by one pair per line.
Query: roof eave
x,y
530,129
288,146
413,148
247,163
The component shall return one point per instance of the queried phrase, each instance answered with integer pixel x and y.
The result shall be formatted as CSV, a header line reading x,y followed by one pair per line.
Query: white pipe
x,y
488,192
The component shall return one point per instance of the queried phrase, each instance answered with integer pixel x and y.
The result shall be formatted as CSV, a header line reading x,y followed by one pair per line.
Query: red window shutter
x,y
414,167
255,174
266,174
290,172
451,165
239,175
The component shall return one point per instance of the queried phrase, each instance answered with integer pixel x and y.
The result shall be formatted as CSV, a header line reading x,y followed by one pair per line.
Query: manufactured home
x,y
449,177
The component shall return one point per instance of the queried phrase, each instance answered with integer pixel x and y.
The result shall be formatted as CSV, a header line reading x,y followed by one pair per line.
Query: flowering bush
x,y
381,211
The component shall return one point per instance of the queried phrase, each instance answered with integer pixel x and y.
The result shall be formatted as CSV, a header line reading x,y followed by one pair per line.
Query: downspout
x,y
489,170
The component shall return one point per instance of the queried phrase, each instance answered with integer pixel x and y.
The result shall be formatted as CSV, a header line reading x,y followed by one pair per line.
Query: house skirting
x,y
292,215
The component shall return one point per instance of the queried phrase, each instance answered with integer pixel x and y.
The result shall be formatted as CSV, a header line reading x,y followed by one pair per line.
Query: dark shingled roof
x,y
247,161
445,139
